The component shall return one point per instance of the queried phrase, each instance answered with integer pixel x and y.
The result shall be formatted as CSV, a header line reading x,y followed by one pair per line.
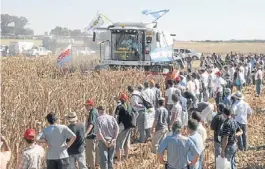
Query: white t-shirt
x,y
202,131
177,109
150,94
242,109
218,84
169,92
191,87
205,77
232,72
242,77
258,75
215,70
197,84
4,159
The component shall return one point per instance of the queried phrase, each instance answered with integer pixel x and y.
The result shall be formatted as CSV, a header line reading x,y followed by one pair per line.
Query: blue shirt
x,y
252,62
56,136
177,147
183,102
227,101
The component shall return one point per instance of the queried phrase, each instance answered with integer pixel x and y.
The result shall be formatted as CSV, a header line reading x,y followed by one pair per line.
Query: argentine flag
x,y
156,14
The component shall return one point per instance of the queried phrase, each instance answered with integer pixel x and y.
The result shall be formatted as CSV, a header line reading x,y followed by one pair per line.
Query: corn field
x,y
31,88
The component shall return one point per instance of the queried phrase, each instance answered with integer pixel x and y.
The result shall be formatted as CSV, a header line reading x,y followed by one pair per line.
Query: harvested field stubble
x,y
32,88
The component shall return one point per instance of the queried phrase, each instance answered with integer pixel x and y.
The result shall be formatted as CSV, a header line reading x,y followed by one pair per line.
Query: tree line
x,y
14,25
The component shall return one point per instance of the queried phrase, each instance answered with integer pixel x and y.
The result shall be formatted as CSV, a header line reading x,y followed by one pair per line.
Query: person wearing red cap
x,y
33,155
219,84
125,120
5,154
122,101
91,143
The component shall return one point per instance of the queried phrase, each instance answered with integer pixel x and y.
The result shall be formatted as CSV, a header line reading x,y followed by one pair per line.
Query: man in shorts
x,y
123,140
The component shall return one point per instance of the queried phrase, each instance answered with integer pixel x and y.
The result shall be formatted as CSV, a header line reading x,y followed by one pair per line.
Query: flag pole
x,y
160,16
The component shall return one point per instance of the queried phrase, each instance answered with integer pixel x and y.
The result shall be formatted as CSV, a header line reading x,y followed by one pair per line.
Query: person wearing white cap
x,y
242,112
77,150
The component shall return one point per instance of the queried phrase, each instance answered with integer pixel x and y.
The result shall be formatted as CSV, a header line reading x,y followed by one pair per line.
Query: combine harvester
x,y
138,45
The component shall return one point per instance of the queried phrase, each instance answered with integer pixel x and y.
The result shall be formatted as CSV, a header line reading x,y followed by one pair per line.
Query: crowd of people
x,y
174,121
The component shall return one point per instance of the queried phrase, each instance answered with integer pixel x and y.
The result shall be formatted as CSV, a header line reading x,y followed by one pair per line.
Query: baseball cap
x,y
218,73
30,134
178,79
124,97
90,102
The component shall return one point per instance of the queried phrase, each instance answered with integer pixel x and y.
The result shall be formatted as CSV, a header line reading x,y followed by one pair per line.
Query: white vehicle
x,y
184,52
17,48
136,44
4,50
39,51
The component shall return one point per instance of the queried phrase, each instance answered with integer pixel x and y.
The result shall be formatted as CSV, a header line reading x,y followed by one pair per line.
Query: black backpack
x,y
147,103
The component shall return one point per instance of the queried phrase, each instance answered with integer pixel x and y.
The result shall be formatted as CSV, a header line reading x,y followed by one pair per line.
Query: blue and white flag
x,y
156,14
163,54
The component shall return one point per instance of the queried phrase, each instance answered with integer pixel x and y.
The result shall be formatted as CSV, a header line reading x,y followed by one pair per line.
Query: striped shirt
x,y
229,128
107,126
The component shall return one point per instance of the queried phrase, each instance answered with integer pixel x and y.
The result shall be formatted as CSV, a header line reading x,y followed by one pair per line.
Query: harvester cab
x,y
135,45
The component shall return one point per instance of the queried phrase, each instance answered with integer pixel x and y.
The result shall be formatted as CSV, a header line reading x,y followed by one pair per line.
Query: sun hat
x,y
30,134
72,116
238,95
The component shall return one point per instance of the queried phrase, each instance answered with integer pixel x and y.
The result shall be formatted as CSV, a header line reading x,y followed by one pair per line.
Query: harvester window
x,y
127,46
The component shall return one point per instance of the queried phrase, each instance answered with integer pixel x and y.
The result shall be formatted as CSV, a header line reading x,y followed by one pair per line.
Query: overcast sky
x,y
188,19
